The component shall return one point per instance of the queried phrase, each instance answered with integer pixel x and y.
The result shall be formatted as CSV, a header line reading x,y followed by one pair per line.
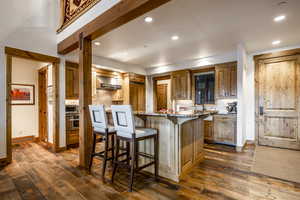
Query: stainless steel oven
x,y
72,117
72,121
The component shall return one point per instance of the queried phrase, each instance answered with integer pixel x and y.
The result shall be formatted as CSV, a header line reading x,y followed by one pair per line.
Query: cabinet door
x,y
181,85
221,83
187,145
208,130
225,129
226,78
72,83
233,83
137,96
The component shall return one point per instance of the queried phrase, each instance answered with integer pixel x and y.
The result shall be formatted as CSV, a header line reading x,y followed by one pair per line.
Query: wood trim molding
x,y
209,69
160,78
277,54
118,15
13,52
24,139
30,55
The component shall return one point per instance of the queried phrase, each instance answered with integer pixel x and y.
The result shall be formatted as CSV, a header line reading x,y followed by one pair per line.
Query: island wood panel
x,y
168,144
279,91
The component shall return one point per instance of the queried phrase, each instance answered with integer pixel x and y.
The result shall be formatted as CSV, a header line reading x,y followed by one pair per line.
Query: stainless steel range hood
x,y
108,83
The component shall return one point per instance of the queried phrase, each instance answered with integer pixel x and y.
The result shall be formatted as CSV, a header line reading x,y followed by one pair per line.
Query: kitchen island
x,y
181,138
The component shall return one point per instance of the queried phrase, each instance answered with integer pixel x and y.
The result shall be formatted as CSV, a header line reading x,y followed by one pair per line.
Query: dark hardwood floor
x,y
38,174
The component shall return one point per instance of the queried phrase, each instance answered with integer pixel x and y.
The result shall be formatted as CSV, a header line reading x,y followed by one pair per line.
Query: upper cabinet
x,y
226,81
134,91
72,81
181,85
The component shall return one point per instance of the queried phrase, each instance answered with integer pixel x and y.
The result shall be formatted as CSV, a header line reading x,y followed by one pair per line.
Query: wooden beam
x,y
85,99
118,15
56,116
30,55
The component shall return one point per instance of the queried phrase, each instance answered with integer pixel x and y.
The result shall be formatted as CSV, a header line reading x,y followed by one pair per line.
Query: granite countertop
x,y
183,114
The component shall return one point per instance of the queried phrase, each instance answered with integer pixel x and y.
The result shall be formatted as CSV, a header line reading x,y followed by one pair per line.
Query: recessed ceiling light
x,y
175,37
276,42
148,19
279,18
97,43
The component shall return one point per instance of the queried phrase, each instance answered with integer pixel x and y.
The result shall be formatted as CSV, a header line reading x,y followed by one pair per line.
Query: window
x,y
205,88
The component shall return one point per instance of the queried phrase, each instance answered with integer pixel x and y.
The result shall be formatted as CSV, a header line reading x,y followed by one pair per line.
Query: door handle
x,y
261,110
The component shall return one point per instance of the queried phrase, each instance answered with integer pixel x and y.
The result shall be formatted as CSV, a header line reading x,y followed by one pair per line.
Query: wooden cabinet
x,y
72,81
208,130
72,137
225,129
181,85
226,81
117,95
134,91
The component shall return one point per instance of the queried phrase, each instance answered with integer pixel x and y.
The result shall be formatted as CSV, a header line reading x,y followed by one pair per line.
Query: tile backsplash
x,y
219,106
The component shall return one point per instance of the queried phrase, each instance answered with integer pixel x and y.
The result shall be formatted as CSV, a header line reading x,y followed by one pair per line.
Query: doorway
x,y
43,105
162,93
10,53
277,100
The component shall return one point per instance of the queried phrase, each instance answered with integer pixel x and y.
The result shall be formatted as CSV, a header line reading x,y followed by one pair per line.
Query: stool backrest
x,y
98,117
123,119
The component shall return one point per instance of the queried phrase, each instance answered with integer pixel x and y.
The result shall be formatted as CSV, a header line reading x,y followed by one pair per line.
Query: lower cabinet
x,y
225,129
72,137
221,130
208,130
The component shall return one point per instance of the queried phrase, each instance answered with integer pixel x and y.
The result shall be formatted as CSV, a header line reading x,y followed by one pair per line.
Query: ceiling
x,y
205,28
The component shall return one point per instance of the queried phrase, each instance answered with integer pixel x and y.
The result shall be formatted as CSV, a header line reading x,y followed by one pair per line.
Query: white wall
x,y
25,117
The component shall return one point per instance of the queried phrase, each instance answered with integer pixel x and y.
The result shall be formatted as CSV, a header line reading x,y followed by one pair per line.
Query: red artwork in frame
x,y
22,94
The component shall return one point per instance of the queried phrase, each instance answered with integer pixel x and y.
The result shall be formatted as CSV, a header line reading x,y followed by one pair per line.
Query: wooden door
x,y
162,96
278,102
43,119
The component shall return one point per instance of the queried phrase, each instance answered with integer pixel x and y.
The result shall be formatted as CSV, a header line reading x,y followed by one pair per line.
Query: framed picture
x,y
22,94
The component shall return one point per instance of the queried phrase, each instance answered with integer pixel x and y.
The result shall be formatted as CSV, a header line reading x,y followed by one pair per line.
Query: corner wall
x,y
2,103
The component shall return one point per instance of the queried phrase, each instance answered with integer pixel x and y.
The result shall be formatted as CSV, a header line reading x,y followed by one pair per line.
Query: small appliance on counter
x,y
232,107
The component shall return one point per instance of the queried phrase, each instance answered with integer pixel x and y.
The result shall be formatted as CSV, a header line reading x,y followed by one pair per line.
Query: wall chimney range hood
x,y
108,83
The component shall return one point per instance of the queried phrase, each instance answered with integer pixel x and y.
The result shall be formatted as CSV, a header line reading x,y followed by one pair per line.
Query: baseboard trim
x,y
4,162
19,140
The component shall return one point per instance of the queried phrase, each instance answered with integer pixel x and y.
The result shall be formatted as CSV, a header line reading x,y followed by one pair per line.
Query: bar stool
x,y
107,133
126,131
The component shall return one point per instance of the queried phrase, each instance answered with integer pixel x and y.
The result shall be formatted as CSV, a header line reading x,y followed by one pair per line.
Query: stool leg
x,y
105,156
133,156
128,152
156,156
137,155
93,152
116,160
112,149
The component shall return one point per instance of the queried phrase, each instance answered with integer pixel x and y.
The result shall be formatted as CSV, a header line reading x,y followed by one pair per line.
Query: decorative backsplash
x,y
72,9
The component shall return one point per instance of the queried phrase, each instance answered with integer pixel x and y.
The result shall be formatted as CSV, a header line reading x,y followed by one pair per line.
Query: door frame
x,y
257,60
13,52
43,70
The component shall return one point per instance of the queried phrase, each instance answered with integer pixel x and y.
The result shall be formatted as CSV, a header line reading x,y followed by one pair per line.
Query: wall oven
x,y
72,117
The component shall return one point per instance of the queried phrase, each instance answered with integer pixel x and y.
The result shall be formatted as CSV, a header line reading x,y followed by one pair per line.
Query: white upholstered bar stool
x,y
107,133
126,131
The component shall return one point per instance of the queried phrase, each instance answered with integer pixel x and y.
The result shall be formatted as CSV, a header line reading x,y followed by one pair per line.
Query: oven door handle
x,y
72,120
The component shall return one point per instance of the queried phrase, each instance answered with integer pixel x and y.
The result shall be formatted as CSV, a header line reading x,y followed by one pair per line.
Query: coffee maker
x,y
232,107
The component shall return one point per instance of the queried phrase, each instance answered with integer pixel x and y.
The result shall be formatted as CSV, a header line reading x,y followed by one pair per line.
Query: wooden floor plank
x,y
36,173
